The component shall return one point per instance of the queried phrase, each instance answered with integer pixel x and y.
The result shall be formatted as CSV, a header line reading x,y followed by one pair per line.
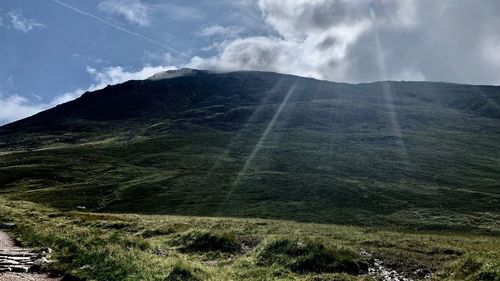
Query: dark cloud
x,y
364,40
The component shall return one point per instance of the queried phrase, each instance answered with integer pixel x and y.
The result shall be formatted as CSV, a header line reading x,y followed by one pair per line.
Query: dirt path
x,y
6,243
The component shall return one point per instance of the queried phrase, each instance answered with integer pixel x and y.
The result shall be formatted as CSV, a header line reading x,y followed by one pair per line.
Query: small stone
x,y
40,262
423,272
85,267
45,251
212,263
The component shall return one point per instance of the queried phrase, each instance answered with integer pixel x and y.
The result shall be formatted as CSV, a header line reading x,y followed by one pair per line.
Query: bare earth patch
x,y
6,243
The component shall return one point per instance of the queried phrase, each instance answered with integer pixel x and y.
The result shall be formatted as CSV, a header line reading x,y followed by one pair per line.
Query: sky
x,y
52,51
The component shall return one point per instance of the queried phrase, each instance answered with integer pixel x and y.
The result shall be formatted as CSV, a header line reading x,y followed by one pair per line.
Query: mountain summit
x,y
169,74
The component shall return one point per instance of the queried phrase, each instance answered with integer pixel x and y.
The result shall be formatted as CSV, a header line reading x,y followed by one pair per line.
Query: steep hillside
x,y
256,144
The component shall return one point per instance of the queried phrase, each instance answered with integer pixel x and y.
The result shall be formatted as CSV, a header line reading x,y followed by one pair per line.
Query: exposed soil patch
x,y
6,243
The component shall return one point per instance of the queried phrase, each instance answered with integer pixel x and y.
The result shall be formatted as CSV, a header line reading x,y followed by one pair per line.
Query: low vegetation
x,y
182,272
208,242
100,246
311,256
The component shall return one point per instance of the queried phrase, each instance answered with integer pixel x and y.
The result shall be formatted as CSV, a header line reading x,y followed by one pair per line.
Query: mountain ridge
x,y
186,72
257,144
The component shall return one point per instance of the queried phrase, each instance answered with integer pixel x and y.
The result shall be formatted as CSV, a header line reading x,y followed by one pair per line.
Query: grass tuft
x,y
310,256
210,241
474,268
181,272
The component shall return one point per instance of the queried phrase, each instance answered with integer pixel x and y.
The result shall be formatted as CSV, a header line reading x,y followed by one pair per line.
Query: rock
x,y
7,225
40,262
212,263
366,254
85,267
423,273
39,265
45,252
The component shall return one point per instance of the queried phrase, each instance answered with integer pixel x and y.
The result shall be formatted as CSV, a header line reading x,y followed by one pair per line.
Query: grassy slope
x,y
150,247
341,177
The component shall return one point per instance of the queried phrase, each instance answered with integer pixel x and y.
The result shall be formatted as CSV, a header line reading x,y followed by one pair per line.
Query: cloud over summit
x,y
358,41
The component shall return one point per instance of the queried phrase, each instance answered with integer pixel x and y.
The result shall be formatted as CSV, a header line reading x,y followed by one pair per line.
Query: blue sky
x,y
54,50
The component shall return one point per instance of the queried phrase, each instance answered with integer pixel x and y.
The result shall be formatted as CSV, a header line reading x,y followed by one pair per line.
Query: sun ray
x,y
234,143
258,145
263,137
388,93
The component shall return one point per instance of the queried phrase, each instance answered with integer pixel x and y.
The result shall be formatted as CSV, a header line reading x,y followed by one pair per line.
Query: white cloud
x,y
364,40
182,13
258,53
109,76
15,107
221,31
116,74
133,11
21,23
491,49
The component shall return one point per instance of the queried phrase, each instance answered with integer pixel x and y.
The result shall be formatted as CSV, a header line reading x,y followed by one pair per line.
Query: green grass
x,y
310,256
409,171
103,246
182,272
308,176
207,242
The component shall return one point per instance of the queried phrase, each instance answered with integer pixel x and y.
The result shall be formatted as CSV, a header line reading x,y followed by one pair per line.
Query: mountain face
x,y
412,154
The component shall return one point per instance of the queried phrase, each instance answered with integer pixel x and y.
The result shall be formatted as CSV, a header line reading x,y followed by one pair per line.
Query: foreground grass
x,y
99,246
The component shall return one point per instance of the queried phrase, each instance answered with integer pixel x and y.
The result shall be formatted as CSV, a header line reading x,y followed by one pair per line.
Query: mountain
x,y
259,144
